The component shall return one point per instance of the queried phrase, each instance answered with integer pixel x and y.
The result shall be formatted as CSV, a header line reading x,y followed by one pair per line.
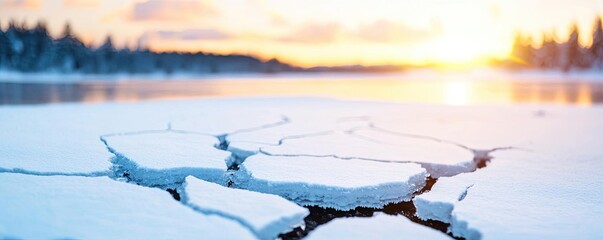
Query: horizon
x,y
433,33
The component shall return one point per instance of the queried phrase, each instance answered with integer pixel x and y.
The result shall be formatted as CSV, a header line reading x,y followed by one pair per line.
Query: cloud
x,y
384,31
81,3
170,10
24,4
381,31
191,34
184,35
314,33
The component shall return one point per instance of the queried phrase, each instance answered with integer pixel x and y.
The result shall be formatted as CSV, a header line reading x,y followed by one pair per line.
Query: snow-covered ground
x,y
251,168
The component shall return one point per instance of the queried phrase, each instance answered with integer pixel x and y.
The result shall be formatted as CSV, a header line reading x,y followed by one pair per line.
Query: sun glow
x,y
447,34
458,50
456,93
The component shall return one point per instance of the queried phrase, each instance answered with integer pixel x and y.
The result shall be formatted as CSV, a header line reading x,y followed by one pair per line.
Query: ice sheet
x,y
551,190
265,215
440,159
166,157
299,125
61,207
331,182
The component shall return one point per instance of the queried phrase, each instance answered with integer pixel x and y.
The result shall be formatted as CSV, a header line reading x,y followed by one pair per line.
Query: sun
x,y
455,50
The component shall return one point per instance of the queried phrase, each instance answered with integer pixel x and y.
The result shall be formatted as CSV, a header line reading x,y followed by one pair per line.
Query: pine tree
x,y
6,51
522,53
33,49
596,49
547,56
39,48
71,52
106,56
572,57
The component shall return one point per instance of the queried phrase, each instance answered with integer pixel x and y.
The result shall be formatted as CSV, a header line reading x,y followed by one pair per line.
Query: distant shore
x,y
481,74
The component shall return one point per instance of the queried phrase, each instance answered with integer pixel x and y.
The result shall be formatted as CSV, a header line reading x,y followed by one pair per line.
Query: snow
x,y
314,152
225,122
473,127
300,124
73,207
380,226
551,190
440,159
264,214
438,203
516,199
166,157
330,182
64,139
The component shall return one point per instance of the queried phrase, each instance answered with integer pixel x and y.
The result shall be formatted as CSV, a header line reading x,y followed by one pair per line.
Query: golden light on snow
x,y
456,93
449,91
585,97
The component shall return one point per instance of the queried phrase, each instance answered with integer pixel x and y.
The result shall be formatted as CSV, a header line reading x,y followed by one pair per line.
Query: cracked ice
x,y
251,169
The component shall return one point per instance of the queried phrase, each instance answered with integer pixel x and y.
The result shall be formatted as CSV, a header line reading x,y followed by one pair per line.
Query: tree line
x,y
559,55
33,49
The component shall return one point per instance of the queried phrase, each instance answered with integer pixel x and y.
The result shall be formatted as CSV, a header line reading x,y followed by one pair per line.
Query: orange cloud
x,y
150,37
314,33
25,4
188,35
166,10
392,32
81,3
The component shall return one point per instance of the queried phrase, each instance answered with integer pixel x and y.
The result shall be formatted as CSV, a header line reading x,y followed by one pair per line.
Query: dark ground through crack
x,y
319,216
174,193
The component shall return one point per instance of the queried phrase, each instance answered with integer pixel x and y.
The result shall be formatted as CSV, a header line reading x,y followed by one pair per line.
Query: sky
x,y
315,32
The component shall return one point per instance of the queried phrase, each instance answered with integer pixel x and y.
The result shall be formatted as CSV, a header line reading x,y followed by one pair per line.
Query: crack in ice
x,y
480,156
464,193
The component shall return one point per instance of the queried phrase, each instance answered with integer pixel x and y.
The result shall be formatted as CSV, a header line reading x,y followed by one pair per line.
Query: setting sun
x,y
301,119
313,33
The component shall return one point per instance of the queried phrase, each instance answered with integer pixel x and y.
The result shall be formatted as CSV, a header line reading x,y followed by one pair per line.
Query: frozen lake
x,y
276,157
264,168
442,89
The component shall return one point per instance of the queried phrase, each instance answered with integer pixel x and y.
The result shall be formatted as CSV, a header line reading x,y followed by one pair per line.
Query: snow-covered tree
x,y
71,51
40,48
596,49
547,56
571,56
522,54
33,49
6,51
106,56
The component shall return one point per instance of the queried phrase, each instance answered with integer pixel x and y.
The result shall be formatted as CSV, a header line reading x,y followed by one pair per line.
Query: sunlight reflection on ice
x,y
451,91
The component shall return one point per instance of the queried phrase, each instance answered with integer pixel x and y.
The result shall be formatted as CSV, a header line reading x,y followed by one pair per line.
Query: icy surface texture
x,y
544,180
440,159
474,127
331,182
380,226
264,214
551,190
61,207
298,125
63,139
165,157
225,121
